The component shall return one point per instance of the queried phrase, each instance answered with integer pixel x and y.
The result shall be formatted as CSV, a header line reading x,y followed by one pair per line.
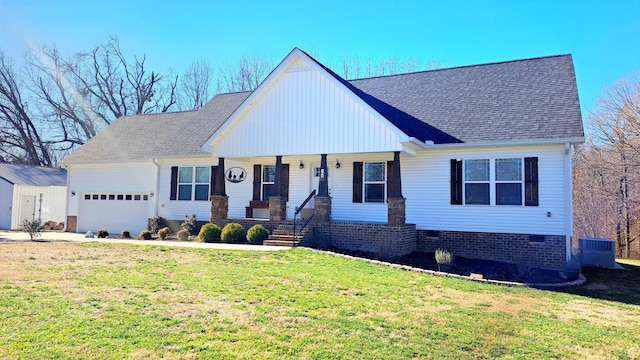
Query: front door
x,y
27,208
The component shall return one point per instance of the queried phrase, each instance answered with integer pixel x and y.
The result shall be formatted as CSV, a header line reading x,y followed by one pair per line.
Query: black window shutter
x,y
285,181
531,181
257,181
212,182
174,183
456,182
389,177
357,182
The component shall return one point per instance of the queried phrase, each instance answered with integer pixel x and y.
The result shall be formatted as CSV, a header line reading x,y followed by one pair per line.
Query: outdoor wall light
x,y
337,164
73,193
301,166
151,194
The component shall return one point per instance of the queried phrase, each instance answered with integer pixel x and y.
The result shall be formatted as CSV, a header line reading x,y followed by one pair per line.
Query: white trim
x,y
572,141
568,177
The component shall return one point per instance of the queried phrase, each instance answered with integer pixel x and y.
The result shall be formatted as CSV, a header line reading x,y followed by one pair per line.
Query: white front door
x,y
27,208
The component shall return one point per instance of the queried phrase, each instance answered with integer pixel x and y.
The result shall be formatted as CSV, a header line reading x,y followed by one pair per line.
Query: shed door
x,y
114,212
27,208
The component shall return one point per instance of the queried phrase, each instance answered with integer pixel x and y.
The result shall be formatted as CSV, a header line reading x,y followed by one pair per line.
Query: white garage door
x,y
114,212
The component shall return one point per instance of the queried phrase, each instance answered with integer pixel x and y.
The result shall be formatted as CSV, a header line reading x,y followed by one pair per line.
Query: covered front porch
x,y
296,200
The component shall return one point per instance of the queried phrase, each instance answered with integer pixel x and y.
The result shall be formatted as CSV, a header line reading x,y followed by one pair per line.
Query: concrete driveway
x,y
65,236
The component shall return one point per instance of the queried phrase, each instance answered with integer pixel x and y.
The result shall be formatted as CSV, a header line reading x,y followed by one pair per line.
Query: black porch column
x,y
322,202
219,198
323,184
395,190
395,202
220,188
277,200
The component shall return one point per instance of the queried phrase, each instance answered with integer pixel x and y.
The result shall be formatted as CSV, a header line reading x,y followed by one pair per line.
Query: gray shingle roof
x,y
531,99
33,175
517,100
163,135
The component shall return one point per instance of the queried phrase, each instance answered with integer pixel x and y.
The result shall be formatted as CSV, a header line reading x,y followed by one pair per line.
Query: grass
x,y
107,301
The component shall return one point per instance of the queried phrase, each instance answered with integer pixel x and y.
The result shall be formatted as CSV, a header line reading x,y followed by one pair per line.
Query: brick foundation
x,y
534,251
219,207
385,240
72,224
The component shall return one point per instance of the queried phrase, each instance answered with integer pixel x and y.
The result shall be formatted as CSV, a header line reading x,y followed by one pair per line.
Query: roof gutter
x,y
560,141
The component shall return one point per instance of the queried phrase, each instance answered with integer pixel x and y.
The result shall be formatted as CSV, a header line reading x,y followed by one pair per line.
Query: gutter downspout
x,y
156,196
568,168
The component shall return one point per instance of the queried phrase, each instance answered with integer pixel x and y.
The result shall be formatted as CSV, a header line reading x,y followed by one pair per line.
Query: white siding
x,y
305,112
425,184
179,209
6,198
50,203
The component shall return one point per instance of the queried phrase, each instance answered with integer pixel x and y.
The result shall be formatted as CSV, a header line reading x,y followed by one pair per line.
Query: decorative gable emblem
x,y
235,174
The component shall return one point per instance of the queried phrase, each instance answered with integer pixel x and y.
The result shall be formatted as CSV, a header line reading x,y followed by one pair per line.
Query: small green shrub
x,y
145,235
443,256
233,233
31,227
102,233
164,232
125,234
209,233
257,234
183,235
190,224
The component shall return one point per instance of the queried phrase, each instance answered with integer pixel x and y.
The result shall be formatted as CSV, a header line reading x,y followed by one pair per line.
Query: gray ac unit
x,y
598,252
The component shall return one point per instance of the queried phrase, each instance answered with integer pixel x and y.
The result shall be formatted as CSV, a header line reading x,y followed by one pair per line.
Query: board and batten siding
x,y
425,183
52,207
305,112
6,199
136,177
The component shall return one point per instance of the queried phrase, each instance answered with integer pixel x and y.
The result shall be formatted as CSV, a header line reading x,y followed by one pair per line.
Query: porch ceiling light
x,y
301,166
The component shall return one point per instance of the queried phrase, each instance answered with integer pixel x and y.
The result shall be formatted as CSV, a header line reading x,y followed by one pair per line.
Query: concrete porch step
x,y
280,242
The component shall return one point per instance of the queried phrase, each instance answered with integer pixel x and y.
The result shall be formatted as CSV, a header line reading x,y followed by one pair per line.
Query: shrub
x,y
209,232
156,223
102,233
443,256
125,234
31,227
232,233
164,232
190,224
183,235
145,235
257,234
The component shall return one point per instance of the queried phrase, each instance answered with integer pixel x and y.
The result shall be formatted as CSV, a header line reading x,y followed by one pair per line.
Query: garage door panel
x,y
114,212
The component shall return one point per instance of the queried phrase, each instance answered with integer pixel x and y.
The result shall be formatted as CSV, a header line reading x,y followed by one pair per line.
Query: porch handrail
x,y
295,215
299,208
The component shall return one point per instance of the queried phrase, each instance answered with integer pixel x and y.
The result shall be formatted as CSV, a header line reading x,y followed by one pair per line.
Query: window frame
x,y
193,183
493,182
366,182
264,183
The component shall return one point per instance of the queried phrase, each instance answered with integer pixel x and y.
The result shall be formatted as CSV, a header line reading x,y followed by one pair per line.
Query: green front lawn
x,y
62,300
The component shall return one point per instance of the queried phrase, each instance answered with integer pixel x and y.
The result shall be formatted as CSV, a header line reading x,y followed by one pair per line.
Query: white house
x,y
476,159
31,192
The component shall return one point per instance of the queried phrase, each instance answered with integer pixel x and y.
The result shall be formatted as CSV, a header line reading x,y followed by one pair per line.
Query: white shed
x,y
31,192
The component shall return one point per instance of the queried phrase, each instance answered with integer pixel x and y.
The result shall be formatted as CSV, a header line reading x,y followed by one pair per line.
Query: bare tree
x,y
613,159
195,85
245,75
355,68
81,94
20,138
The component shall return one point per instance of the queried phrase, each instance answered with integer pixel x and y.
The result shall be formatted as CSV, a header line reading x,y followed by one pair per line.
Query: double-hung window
x,y
193,183
374,182
507,181
268,181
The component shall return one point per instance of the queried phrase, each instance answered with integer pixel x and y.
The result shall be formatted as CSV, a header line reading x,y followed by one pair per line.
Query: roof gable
x,y
311,102
33,175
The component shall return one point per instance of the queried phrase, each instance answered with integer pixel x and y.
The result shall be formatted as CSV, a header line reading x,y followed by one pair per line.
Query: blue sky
x,y
602,36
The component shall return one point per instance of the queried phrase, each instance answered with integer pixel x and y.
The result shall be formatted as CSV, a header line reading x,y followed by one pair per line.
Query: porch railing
x,y
295,217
